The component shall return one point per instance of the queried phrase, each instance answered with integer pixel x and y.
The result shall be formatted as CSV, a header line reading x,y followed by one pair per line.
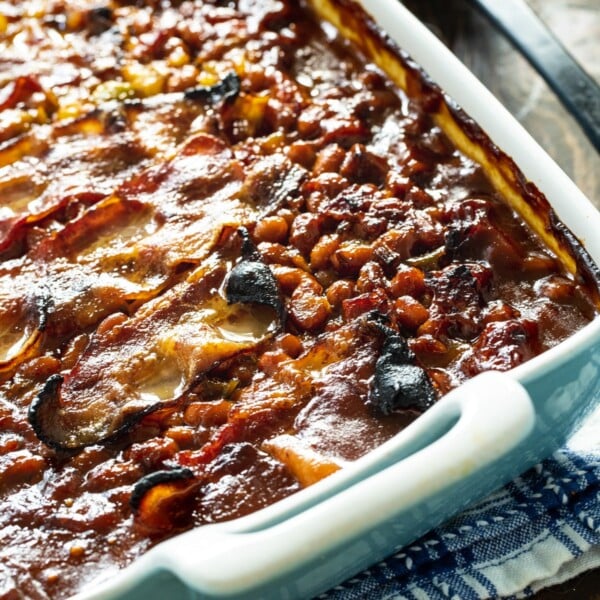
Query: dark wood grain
x,y
514,82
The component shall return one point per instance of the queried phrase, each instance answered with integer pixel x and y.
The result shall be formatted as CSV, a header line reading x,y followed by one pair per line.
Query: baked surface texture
x,y
234,256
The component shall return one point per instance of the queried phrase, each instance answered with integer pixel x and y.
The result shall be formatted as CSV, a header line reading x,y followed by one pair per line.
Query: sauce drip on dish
x,y
233,257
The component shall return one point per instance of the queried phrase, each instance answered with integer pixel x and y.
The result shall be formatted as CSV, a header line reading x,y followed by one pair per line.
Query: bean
x,y
187,437
273,253
408,281
184,78
329,159
325,277
290,344
350,257
362,166
397,184
10,442
410,313
499,311
207,413
90,457
360,305
537,263
309,310
20,466
309,121
371,277
322,251
271,229
557,288
427,345
152,453
305,232
372,80
111,474
269,362
302,153
328,184
340,290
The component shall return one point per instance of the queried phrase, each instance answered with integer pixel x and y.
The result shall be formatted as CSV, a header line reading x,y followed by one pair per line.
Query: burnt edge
x,y
49,394
147,482
371,38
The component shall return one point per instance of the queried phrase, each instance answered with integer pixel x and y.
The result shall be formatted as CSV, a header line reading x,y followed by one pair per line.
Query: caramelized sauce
x,y
144,153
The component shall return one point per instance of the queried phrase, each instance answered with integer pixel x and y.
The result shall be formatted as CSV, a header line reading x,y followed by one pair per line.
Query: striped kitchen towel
x,y
541,529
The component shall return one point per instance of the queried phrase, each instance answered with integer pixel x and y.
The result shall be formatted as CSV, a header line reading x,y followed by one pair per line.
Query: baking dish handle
x,y
496,413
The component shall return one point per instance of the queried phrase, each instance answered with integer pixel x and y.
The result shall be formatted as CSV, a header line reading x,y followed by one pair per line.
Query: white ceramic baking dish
x,y
477,437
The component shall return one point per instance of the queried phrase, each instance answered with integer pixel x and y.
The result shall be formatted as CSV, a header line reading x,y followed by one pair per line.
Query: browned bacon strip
x,y
134,366
85,159
127,248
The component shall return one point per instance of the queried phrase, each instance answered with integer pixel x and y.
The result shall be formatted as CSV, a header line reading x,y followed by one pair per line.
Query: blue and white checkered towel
x,y
541,529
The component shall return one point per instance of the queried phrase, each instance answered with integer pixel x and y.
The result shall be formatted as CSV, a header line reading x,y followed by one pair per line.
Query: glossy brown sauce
x,y
129,159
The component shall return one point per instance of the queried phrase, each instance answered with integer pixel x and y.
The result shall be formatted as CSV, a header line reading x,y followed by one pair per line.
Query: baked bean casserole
x,y
235,256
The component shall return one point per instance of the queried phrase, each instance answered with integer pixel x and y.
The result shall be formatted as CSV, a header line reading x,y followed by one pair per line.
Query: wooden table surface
x,y
508,75
514,82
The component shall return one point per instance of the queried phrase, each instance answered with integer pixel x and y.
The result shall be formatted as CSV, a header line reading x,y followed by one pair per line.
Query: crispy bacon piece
x,y
399,383
133,366
127,248
241,479
296,411
225,90
90,155
81,161
159,500
252,281
22,328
